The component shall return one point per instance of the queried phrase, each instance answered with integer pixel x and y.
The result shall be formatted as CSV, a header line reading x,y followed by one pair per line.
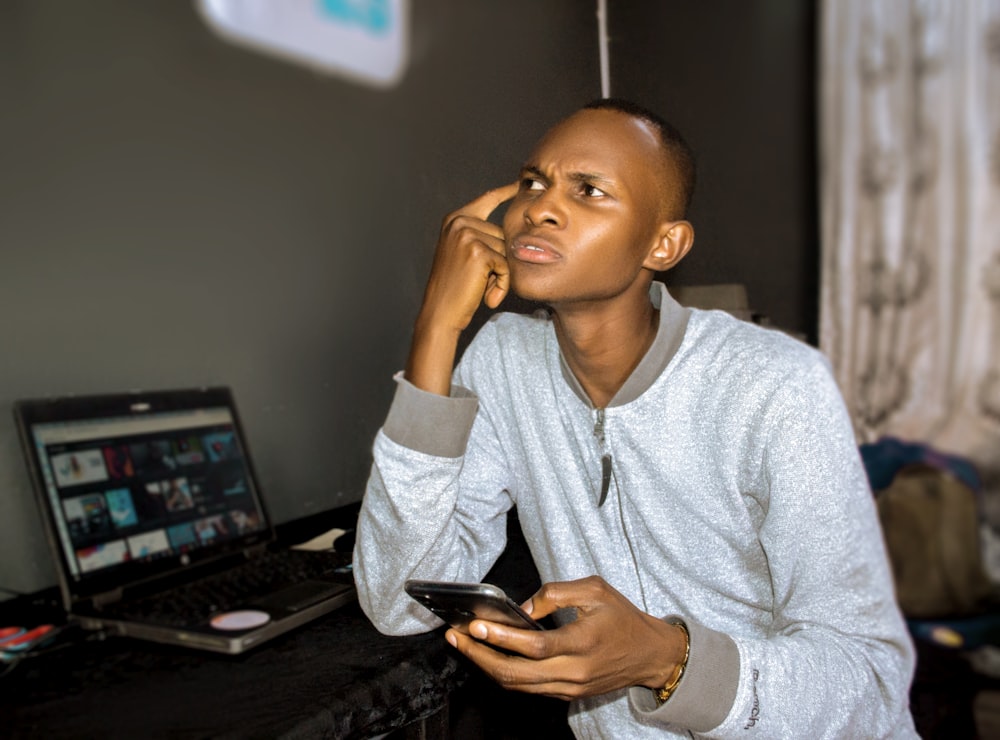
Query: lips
x,y
528,248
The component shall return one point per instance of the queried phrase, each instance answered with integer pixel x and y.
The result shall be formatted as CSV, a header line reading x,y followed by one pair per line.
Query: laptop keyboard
x,y
260,580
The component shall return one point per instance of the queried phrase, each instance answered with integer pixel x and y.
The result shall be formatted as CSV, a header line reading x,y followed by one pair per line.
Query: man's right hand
x,y
470,266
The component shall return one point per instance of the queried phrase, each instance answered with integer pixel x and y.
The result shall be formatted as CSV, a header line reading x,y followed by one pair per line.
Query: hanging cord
x,y
602,47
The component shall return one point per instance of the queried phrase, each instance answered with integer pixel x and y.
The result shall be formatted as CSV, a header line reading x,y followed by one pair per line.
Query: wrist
x,y
670,678
439,325
432,359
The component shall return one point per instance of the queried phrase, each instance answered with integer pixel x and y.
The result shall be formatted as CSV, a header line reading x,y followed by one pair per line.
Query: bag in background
x,y
930,519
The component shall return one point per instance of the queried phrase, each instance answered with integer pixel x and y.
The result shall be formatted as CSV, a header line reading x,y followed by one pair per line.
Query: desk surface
x,y
334,678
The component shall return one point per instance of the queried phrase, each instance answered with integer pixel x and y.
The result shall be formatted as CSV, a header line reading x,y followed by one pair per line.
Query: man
x,y
688,484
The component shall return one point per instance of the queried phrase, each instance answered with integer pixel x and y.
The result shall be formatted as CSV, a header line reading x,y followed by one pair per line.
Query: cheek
x,y
512,219
608,239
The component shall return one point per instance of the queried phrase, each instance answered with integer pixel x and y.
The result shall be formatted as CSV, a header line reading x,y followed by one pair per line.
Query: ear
x,y
674,241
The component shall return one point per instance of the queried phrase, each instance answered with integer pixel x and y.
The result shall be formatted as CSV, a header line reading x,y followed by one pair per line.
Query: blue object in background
x,y
884,458
373,15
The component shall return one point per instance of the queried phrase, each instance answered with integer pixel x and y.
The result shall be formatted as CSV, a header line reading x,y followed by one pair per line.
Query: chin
x,y
534,291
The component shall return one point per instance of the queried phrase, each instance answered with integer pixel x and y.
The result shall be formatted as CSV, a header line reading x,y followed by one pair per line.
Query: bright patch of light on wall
x,y
364,40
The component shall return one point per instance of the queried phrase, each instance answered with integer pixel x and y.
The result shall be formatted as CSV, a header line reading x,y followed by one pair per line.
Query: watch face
x,y
363,40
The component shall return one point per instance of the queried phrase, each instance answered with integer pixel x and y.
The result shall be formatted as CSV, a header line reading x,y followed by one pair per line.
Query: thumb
x,y
497,286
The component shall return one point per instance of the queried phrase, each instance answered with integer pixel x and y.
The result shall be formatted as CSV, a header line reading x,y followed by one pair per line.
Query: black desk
x,y
335,678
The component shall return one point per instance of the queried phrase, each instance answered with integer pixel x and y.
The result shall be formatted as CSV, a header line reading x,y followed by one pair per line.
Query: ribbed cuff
x,y
706,693
429,423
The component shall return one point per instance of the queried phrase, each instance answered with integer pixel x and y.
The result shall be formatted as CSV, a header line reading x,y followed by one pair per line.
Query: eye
x,y
531,183
592,192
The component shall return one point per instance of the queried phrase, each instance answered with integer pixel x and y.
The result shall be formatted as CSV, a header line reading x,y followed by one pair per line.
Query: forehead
x,y
605,142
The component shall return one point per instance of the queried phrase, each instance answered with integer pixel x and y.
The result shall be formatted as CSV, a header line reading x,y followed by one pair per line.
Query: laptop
x,y
158,526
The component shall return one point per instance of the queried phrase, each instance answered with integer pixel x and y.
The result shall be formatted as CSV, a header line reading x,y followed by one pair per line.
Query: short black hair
x,y
675,146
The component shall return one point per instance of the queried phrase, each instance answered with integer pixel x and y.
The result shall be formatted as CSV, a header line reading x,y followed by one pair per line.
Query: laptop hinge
x,y
108,597
255,550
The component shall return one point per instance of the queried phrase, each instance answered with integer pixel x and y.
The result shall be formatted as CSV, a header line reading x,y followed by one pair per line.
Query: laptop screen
x,y
139,485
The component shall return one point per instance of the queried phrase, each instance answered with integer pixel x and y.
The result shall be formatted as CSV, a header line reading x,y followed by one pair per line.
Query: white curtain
x,y
910,214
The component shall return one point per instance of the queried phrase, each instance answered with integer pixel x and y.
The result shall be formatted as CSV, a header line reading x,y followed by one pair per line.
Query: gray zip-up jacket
x,y
737,503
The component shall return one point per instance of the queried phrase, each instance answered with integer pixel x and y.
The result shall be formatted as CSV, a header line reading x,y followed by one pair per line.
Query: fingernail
x,y
479,631
450,637
529,606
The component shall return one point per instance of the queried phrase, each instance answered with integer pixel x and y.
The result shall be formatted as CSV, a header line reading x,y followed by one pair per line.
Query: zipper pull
x,y
599,426
605,479
605,458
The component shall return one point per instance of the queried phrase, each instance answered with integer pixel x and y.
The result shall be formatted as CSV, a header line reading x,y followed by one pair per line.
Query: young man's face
x,y
589,209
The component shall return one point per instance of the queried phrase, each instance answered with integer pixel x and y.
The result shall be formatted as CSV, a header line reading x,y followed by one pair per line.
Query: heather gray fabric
x,y
738,504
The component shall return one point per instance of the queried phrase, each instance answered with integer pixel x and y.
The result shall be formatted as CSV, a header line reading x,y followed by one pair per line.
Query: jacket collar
x,y
669,335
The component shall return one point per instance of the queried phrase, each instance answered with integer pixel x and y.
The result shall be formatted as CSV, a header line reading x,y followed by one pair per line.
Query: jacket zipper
x,y
605,458
606,475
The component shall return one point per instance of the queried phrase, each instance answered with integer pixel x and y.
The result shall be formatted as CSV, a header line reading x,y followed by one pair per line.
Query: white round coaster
x,y
240,620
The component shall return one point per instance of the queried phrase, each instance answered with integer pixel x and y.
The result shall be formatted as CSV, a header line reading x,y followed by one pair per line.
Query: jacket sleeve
x,y
837,661
413,523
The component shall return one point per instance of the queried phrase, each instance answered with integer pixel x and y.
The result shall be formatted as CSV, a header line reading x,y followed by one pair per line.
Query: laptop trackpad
x,y
298,597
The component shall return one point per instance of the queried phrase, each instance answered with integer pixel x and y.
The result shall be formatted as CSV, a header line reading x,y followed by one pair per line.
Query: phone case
x,y
460,603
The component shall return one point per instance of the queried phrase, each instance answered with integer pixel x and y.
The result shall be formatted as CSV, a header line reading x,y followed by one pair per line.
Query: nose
x,y
545,208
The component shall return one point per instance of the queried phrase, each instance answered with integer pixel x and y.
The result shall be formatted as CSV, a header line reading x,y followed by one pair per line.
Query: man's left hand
x,y
611,645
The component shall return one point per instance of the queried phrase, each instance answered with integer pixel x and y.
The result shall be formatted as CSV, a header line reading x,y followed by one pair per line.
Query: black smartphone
x,y
460,603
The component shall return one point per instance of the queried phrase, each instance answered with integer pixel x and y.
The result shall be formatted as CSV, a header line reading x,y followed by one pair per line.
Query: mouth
x,y
527,248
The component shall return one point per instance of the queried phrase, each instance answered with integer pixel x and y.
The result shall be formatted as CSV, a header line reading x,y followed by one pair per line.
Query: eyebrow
x,y
573,176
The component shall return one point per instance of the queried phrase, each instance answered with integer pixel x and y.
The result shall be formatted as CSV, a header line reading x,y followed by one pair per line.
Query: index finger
x,y
578,594
489,201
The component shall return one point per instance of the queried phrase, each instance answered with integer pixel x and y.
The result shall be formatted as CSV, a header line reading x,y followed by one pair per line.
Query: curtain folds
x,y
910,219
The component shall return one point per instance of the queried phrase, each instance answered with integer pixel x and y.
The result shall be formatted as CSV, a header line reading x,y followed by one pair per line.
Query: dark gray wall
x,y
738,79
176,211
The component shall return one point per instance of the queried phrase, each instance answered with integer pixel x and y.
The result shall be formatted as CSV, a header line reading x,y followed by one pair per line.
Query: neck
x,y
603,344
